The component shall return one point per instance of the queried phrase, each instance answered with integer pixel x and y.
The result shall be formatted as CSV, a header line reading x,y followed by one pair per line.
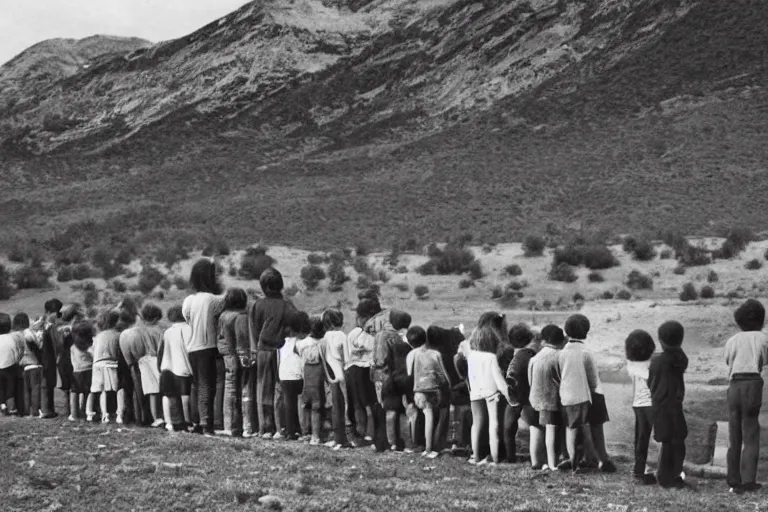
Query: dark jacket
x,y
667,385
517,377
266,322
233,337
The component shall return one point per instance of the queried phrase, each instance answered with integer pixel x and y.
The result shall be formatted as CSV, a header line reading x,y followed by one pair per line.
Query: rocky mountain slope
x,y
410,116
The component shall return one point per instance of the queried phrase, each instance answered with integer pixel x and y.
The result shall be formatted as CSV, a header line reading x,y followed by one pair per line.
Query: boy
x,y
333,353
82,370
11,353
544,396
665,380
266,323
104,378
745,354
639,347
175,368
358,357
50,343
291,373
313,390
234,347
526,345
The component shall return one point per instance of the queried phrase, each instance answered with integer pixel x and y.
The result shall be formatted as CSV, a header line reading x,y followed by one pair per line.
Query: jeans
x,y
203,364
218,401
266,375
140,413
233,394
47,386
745,398
338,411
32,379
643,429
248,397
291,391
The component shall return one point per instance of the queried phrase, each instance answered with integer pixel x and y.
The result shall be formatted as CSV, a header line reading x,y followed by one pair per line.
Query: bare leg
x,y
537,446
103,405
153,406
429,425
370,426
120,405
572,436
89,405
74,405
478,420
493,429
598,442
167,411
551,442
185,409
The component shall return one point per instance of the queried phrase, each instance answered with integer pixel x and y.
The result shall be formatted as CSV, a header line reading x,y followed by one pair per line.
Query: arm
x,y
254,326
160,351
409,363
728,352
591,367
186,309
445,372
501,384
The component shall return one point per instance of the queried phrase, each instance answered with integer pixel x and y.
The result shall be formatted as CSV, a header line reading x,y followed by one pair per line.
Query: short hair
x,y
368,308
151,313
53,306
671,333
333,319
82,335
484,339
20,322
5,323
236,299
203,277
368,293
553,335
108,319
416,336
520,335
750,316
72,312
399,319
639,346
298,323
175,314
577,326
316,328
271,281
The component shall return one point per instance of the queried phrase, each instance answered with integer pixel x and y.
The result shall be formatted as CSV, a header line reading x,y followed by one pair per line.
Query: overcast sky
x,y
26,22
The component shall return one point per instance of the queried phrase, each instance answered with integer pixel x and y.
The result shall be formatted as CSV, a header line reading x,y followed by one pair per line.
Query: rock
x,y
271,502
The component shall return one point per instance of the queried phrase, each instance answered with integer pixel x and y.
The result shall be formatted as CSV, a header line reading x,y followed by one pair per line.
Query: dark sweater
x,y
517,377
667,385
266,322
233,337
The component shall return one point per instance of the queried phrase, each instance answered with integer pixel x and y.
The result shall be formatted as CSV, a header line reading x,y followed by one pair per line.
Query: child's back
x,y
106,346
484,375
291,364
427,372
578,374
175,358
746,353
544,379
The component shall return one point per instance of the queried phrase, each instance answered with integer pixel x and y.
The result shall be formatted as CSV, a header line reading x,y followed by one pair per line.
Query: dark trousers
x,y
47,386
511,417
203,364
338,418
218,401
266,378
745,398
32,380
248,387
137,403
643,429
8,381
291,391
671,458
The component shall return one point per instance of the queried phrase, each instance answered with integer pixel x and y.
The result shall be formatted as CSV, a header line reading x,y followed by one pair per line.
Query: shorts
x,y
104,377
393,391
150,375
313,393
428,399
81,382
598,411
173,386
550,418
530,416
359,383
576,415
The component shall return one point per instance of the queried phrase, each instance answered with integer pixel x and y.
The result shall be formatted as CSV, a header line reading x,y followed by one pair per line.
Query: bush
x,y
577,297
363,283
82,271
707,292
643,251
382,276
607,295
70,256
534,246
513,270
402,269
401,287
754,264
361,249
666,254
636,280
421,291
765,254
712,276
149,278
171,254
451,260
623,295
65,274
166,284
90,296
515,285
180,283
594,257
232,270
497,292
253,264
123,257
361,266
562,272
21,252
688,292
693,256
119,286
475,270
466,283
31,276
680,270
595,277
216,246
546,305
317,259
337,275
6,289
257,250
736,240
311,275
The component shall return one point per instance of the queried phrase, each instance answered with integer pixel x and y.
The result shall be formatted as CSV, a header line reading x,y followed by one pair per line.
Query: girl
x,y
30,366
486,387
333,354
104,380
81,399
149,370
639,349
291,372
233,345
175,368
358,357
430,378
313,393
201,311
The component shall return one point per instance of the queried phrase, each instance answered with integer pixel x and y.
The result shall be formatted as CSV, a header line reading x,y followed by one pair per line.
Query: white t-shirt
x,y
334,353
484,375
290,366
200,311
175,358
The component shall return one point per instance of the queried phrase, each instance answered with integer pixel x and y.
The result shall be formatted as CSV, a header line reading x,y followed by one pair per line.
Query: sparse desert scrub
x,y
6,288
754,264
636,280
149,278
623,295
562,272
466,283
311,275
254,262
31,276
712,276
640,248
595,277
450,260
594,257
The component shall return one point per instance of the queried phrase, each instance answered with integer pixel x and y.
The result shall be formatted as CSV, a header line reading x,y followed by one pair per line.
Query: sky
x,y
26,22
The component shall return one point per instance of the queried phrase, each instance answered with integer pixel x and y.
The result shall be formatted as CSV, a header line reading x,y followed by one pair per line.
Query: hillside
x,y
314,124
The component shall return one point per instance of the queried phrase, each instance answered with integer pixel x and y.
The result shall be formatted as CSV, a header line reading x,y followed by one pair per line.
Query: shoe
x,y
169,427
314,441
330,444
472,461
158,423
737,489
209,431
49,416
407,451
224,433
483,462
267,436
432,455
119,420
646,479
71,418
752,487
368,439
249,434
565,466
607,467
105,419
278,436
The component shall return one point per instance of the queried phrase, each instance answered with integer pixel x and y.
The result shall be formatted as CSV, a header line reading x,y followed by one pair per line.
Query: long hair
x,y
108,319
497,322
484,339
203,277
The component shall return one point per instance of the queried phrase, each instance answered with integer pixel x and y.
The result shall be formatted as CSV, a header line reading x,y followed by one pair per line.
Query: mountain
x,y
322,123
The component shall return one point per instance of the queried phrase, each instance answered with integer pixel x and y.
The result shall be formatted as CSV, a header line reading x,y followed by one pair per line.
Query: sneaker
x,y
71,418
49,416
368,439
408,451
225,433
278,436
169,427
209,432
119,420
736,489
646,479
472,461
393,448
89,417
565,466
342,447
330,444
248,434
432,455
267,436
158,423
483,462
314,441
607,467
105,419
752,487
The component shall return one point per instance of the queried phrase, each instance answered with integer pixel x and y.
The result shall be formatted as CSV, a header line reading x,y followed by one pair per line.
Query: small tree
x,y
254,263
707,292
534,246
337,275
513,270
712,277
149,278
311,275
6,289
595,277
421,291
562,272
636,280
688,292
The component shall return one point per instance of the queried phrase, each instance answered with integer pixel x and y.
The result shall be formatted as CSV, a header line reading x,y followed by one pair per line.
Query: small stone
x,y
271,502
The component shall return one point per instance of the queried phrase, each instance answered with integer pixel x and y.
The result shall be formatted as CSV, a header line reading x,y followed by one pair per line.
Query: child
x,y
70,315
430,377
665,380
175,368
152,336
11,353
266,322
544,379
745,353
486,387
81,400
639,348
291,372
104,379
233,346
313,392
30,366
358,357
333,354
526,345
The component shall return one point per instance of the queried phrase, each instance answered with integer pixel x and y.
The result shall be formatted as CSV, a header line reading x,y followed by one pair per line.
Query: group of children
x,y
233,367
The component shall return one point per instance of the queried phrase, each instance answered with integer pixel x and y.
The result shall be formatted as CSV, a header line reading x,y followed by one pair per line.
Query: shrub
x,y
623,295
337,275
90,296
317,259
119,286
515,285
149,278
6,289
497,292
216,246
393,257
21,252
636,280
736,240
363,283
643,251
594,257
607,295
31,276
166,284
411,245
712,276
595,277
680,270
82,271
693,256
171,254
401,287
534,246
707,292
64,274
382,276
421,291
665,254
257,250
546,305
451,260
688,292
466,283
487,248
361,249
475,270
402,269
562,272
180,283
765,254
252,264
754,264
232,270
291,291
72,255
577,297
513,270
311,275
361,266
123,257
